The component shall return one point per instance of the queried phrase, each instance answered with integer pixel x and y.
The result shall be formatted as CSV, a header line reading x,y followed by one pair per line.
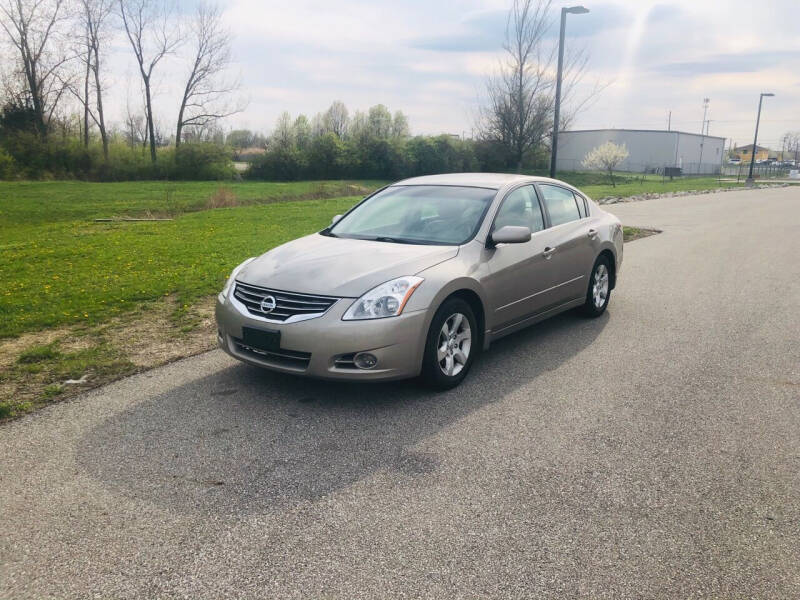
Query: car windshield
x,y
417,214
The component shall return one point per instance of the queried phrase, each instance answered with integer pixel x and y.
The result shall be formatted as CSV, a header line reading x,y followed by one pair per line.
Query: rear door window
x,y
560,203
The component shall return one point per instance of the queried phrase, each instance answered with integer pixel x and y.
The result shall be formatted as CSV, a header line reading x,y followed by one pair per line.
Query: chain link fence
x,y
739,171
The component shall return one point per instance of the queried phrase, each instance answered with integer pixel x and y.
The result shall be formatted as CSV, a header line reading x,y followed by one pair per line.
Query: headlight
x,y
386,300
224,293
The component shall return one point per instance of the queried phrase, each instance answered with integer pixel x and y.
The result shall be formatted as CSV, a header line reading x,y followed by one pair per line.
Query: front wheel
x,y
451,345
599,292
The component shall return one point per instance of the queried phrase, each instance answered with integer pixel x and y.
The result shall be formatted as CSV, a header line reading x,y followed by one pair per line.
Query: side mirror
x,y
510,234
335,220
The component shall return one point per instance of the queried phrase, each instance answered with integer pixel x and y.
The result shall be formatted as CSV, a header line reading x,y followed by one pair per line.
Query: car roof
x,y
485,180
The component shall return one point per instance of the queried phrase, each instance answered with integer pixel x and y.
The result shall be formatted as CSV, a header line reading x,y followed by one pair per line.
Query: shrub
x,y
281,164
7,165
326,157
203,161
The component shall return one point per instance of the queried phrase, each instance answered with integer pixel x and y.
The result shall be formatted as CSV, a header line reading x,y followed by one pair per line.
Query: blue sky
x,y
431,58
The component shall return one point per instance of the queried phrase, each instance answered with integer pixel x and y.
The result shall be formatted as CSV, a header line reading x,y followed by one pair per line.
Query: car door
x,y
572,239
520,276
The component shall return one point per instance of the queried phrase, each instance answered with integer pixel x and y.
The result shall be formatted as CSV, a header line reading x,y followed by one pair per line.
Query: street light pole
x,y
702,134
749,180
575,10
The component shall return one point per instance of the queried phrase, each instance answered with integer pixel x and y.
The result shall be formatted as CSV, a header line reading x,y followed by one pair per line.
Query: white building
x,y
649,150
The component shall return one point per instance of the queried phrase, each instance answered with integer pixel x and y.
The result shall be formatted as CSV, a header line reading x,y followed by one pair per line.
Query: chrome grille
x,y
288,305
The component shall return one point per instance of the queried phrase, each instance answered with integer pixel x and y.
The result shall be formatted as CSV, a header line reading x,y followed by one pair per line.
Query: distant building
x,y
745,153
649,150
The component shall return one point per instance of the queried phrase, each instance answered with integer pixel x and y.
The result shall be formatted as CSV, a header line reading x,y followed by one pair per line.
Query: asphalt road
x,y
652,453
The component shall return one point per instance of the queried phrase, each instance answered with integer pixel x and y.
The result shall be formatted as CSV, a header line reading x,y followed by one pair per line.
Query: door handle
x,y
592,233
548,252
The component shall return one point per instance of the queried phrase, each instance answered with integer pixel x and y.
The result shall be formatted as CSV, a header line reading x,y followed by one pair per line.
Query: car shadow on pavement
x,y
247,439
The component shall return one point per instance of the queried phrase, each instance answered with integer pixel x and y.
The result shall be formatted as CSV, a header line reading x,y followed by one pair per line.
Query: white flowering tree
x,y
606,157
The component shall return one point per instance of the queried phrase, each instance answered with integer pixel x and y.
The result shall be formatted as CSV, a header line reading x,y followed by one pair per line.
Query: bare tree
x,y
95,15
791,145
520,96
575,63
283,134
206,94
93,18
135,131
337,118
32,27
152,37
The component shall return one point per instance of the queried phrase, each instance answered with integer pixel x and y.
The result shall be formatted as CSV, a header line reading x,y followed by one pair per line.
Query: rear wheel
x,y
599,292
451,345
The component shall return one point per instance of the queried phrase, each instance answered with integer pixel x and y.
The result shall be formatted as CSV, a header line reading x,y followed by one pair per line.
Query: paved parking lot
x,y
652,453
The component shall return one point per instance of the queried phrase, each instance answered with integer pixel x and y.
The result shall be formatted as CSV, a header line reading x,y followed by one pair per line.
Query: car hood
x,y
318,264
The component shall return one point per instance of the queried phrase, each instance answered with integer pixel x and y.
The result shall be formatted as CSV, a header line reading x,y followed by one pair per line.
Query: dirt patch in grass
x,y
43,367
223,197
12,348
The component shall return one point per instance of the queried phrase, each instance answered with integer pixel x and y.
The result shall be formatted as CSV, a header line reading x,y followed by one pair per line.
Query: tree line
x,y
60,51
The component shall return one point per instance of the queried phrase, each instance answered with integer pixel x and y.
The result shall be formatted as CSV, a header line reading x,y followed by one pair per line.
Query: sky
x,y
431,59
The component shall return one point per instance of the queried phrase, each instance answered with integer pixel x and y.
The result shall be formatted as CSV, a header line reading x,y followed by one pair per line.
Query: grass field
x,y
597,185
58,266
93,301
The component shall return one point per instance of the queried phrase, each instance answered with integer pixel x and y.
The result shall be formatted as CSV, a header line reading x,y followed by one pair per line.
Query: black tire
x,y
592,308
433,374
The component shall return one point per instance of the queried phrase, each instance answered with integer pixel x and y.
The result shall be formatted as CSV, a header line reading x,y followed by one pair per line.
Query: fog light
x,y
365,360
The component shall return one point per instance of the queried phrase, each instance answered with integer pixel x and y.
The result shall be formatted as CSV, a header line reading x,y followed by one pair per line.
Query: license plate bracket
x,y
262,339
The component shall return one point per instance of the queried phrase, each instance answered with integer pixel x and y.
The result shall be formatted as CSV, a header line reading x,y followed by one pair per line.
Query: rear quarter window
x,y
583,205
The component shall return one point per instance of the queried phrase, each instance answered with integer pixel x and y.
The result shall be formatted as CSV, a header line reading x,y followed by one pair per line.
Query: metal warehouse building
x,y
650,150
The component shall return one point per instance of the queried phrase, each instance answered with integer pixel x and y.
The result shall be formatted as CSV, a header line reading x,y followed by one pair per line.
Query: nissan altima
x,y
420,276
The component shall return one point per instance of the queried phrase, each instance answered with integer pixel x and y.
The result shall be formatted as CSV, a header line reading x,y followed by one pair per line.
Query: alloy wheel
x,y
600,286
453,345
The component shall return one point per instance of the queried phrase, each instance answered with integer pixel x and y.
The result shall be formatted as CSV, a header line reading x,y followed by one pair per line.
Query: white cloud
x,y
430,59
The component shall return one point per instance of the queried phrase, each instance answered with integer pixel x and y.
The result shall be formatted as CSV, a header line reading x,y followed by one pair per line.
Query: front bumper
x,y
320,347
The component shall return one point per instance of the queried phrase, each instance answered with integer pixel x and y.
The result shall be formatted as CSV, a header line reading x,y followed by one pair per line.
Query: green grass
x,y
37,354
46,202
654,186
597,185
58,267
51,391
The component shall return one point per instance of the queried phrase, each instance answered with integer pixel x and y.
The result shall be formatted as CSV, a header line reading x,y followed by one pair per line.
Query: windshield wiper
x,y
386,238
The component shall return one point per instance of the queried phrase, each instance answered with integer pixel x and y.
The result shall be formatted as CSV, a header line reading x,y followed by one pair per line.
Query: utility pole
x,y
669,121
702,134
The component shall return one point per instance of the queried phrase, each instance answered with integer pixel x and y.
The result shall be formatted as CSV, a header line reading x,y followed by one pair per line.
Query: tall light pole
x,y
702,133
749,180
574,10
